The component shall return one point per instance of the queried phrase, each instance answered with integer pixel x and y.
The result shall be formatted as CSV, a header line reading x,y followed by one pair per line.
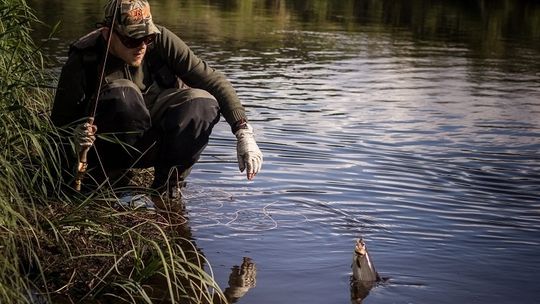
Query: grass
x,y
57,248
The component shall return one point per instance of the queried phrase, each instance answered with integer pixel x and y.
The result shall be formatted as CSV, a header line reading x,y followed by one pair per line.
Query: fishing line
x,y
326,206
244,219
265,213
207,206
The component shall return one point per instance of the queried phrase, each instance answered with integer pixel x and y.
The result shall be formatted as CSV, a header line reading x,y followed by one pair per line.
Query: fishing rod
x,y
83,154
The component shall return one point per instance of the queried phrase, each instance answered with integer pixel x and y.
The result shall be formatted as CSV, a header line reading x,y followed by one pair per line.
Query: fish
x,y
364,276
362,265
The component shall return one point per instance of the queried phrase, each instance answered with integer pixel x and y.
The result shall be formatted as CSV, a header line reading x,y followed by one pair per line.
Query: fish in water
x,y
362,265
364,275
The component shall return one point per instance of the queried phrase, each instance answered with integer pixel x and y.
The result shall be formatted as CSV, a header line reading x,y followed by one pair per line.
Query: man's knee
x,y
196,110
198,93
121,107
204,109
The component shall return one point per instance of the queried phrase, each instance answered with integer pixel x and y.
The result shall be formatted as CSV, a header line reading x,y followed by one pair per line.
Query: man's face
x,y
130,50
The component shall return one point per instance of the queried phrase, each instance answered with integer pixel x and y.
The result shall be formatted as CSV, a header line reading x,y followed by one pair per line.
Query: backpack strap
x,y
87,46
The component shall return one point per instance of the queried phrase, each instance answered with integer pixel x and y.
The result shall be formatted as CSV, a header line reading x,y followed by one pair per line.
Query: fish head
x,y
360,248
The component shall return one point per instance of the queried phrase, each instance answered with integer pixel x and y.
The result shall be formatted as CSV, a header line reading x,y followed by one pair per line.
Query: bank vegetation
x,y
60,248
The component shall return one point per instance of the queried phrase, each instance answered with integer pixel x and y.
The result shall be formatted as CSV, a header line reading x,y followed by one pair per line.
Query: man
x,y
157,105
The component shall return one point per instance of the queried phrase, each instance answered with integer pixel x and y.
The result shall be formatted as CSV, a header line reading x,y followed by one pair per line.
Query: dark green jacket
x,y
167,60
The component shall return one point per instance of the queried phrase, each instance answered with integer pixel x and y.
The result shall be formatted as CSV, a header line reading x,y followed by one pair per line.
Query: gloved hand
x,y
84,136
249,155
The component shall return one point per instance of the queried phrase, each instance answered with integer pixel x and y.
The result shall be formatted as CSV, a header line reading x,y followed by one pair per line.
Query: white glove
x,y
249,155
84,136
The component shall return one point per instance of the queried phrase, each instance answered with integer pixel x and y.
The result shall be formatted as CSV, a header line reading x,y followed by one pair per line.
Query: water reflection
x,y
360,290
489,29
172,215
241,280
413,124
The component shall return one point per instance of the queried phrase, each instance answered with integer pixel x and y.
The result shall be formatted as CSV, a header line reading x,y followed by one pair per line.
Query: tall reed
x,y
56,247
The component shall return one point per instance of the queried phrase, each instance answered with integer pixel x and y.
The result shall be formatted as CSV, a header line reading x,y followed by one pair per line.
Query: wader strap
x,y
161,71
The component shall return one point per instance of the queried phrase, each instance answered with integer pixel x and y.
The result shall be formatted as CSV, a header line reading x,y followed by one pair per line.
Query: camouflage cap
x,y
133,18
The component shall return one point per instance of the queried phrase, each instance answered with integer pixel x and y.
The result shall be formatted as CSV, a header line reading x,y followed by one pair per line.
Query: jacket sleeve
x,y
198,74
70,100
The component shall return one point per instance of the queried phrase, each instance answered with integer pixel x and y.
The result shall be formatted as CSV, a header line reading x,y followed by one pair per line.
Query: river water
x,y
412,124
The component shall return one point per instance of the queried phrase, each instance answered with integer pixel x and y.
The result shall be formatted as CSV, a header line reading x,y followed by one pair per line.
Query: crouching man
x,y
157,103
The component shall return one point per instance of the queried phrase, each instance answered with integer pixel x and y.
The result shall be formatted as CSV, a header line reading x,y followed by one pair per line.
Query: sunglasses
x,y
132,43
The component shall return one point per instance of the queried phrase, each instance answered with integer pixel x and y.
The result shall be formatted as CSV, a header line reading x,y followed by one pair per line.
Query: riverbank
x,y
54,246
